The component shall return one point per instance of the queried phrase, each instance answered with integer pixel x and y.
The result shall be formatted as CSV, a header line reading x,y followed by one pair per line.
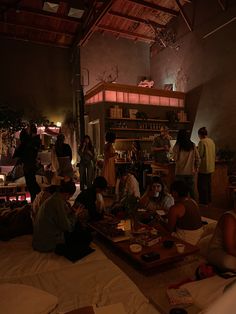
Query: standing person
x,y
206,148
86,166
187,160
161,146
27,153
63,153
109,160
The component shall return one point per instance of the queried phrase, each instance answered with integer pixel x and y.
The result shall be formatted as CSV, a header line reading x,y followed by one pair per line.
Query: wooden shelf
x,y
141,130
134,139
146,120
131,119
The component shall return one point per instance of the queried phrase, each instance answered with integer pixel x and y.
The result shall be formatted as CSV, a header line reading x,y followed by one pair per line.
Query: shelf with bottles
x,y
141,130
134,139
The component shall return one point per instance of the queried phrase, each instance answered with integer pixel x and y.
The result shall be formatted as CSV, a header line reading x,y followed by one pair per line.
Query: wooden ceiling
x,y
139,20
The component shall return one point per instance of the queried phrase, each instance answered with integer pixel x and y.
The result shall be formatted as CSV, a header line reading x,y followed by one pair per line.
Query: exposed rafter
x,y
44,30
223,5
136,19
128,34
155,7
185,17
90,28
44,14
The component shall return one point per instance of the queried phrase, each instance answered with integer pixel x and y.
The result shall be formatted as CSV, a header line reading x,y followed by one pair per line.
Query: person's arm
x,y
201,149
64,220
172,219
229,233
197,159
176,152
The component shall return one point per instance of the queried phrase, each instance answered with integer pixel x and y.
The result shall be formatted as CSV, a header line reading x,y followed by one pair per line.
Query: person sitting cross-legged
x,y
57,228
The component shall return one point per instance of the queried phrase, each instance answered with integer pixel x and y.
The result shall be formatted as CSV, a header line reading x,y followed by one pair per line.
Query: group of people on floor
x,y
62,227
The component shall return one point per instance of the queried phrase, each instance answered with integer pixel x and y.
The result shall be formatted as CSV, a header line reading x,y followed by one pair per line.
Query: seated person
x,y
156,197
42,196
56,227
92,199
127,193
126,184
184,218
222,247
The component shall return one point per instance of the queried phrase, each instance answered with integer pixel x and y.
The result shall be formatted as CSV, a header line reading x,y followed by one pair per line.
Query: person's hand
x,y
78,209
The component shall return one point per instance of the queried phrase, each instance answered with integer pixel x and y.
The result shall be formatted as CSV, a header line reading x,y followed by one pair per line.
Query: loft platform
x,y
129,94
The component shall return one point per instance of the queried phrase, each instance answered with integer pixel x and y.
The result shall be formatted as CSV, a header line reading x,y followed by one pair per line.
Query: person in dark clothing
x,y
57,227
64,156
86,167
91,199
27,153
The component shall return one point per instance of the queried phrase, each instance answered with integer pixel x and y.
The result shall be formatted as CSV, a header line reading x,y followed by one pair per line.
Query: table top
x,y
167,255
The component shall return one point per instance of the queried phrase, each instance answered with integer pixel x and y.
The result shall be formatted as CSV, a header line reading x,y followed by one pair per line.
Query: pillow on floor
x,y
17,298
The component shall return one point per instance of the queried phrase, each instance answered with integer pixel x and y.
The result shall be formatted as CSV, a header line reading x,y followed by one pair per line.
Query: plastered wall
x,y
204,68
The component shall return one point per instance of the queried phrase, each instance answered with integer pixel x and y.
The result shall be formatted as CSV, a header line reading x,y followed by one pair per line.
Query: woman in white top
x,y
187,160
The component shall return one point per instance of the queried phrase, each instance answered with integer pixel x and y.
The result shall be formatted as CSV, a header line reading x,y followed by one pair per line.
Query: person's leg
x,y
190,183
77,243
82,173
209,187
90,175
31,183
202,188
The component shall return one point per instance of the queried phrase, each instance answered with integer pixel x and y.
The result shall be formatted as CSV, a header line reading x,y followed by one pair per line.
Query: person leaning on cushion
x,y
222,247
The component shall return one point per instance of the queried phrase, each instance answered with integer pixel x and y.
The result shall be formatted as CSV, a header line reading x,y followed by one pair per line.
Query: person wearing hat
x,y
161,146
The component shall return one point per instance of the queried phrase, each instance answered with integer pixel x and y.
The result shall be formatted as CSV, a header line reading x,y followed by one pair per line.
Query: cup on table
x,y
180,247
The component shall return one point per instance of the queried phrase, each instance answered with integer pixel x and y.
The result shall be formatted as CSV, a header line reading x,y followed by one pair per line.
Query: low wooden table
x,y
167,255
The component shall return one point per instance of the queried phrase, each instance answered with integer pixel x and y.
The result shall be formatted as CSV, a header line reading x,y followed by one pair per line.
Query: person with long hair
x,y
187,160
156,197
86,166
109,160
206,148
63,155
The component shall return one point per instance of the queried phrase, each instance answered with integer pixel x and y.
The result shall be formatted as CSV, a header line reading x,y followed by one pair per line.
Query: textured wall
x,y
36,78
103,54
205,69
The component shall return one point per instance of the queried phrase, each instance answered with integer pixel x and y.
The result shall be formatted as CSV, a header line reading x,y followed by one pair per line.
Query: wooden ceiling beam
x,y
50,44
184,16
155,7
28,27
136,19
41,13
91,27
127,33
